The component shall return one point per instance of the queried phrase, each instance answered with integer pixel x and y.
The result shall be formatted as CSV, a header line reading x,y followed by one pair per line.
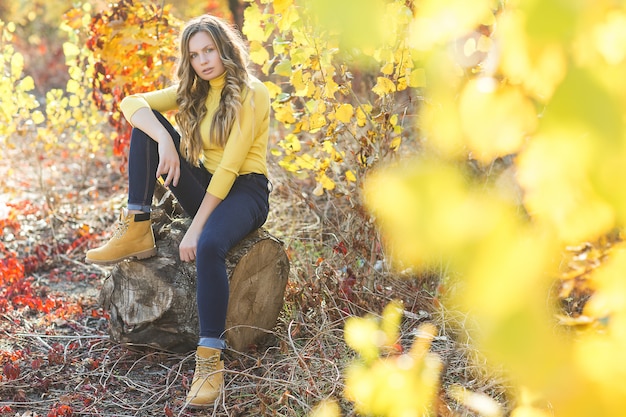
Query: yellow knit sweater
x,y
246,149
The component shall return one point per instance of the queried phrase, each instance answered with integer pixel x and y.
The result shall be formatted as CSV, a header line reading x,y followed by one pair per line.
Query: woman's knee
x,y
211,246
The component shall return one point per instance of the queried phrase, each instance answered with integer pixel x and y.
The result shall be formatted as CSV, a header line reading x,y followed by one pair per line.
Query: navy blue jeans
x,y
244,210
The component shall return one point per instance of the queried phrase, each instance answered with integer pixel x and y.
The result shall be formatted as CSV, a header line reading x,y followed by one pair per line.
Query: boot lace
x,y
206,366
121,227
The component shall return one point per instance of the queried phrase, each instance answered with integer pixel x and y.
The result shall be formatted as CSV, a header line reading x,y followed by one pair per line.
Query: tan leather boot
x,y
207,379
132,238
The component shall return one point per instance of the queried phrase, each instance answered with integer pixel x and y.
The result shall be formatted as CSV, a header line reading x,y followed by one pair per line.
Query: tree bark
x,y
153,302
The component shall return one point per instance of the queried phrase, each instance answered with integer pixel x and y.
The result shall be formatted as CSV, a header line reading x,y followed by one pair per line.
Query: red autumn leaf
x,y
61,411
11,371
340,248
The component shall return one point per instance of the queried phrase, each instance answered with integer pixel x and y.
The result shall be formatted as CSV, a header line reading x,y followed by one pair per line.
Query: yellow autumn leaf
x,y
441,21
363,336
326,182
37,117
396,142
300,82
496,119
78,115
329,147
74,101
344,112
390,323
26,84
291,143
383,55
75,73
72,86
387,69
439,119
610,37
70,50
417,78
252,27
326,408
316,121
362,113
258,53
538,67
284,114
554,172
281,5
288,163
17,65
273,89
398,385
306,161
330,88
289,17
384,86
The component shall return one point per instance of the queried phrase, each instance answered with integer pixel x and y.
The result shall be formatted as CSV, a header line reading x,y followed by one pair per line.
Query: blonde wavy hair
x,y
192,90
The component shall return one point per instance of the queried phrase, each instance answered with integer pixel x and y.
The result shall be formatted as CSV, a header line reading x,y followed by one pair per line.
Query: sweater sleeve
x,y
247,142
159,100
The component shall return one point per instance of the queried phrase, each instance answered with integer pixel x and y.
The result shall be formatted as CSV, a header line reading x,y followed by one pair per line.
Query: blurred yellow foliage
x,y
328,408
549,91
384,382
495,118
18,112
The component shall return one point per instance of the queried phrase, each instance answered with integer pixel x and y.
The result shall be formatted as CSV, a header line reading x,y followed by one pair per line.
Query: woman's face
x,y
204,56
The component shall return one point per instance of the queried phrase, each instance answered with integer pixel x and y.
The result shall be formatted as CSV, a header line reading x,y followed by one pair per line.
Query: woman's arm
x,y
189,244
169,161
248,139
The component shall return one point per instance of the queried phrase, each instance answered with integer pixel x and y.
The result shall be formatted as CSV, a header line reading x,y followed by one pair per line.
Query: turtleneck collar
x,y
219,81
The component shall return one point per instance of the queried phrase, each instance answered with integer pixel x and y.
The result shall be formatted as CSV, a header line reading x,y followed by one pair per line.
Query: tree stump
x,y
153,302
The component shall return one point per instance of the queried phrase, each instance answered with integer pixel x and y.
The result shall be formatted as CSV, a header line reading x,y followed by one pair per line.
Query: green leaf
x,y
283,68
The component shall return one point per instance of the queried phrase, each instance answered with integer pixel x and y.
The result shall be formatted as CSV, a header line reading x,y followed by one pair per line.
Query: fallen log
x,y
153,302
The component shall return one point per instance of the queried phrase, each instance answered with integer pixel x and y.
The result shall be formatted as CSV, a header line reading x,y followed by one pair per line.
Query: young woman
x,y
216,168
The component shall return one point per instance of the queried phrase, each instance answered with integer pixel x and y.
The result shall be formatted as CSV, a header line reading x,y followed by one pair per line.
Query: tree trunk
x,y
153,302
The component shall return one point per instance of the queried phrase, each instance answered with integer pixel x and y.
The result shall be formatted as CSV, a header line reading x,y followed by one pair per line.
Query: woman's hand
x,y
189,245
169,162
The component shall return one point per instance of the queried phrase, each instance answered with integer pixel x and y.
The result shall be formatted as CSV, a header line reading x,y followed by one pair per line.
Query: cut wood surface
x,y
153,302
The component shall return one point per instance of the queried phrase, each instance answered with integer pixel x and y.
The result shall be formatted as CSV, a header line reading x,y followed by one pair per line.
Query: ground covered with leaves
x,y
56,356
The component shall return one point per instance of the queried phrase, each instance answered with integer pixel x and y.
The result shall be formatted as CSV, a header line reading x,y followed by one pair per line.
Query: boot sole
x,y
196,406
139,256
200,406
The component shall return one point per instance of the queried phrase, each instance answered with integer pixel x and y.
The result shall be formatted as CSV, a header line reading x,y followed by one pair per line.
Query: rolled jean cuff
x,y
145,209
212,342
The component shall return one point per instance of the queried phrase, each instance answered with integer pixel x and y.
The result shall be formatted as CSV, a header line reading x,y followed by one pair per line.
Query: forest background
x,y
447,186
